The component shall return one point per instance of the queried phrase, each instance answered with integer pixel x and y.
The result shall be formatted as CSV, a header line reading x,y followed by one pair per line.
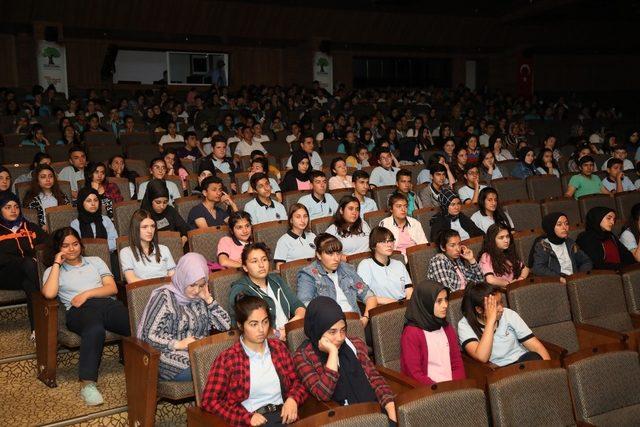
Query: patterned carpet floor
x,y
26,401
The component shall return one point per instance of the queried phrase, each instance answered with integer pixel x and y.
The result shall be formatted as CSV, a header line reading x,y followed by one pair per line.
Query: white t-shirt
x,y
388,281
381,176
166,139
466,193
341,298
484,222
281,317
353,244
627,185
455,225
563,257
628,240
244,149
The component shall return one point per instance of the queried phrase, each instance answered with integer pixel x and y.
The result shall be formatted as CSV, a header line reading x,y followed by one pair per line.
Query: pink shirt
x,y
404,240
304,185
487,268
228,246
439,364
336,183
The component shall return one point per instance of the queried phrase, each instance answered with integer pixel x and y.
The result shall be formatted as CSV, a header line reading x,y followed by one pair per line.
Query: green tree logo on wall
x,y
322,62
51,52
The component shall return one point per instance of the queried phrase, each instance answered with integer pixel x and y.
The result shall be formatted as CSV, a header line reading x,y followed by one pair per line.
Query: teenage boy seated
x,y
385,174
192,149
406,230
620,152
331,277
585,182
263,208
261,165
75,171
273,170
429,195
220,160
306,145
319,203
361,187
616,181
471,190
209,213
403,184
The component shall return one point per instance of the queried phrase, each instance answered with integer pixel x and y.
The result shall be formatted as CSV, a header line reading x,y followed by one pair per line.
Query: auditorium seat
x,y
387,324
510,189
418,257
291,197
575,230
565,178
269,233
242,199
30,214
524,214
567,205
173,241
122,214
22,154
586,203
60,216
123,186
624,202
143,152
340,193
424,215
289,271
205,241
184,205
356,415
373,218
135,138
542,187
58,153
631,285
605,388
220,285
530,394
320,225
475,244
507,166
381,195
140,166
141,362
523,240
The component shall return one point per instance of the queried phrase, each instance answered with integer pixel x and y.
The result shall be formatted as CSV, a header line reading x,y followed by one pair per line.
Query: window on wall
x,y
396,72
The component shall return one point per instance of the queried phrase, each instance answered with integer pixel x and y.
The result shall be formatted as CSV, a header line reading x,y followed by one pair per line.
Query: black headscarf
x,y
549,225
420,309
155,189
8,190
353,385
6,197
445,198
594,218
297,157
86,218
522,154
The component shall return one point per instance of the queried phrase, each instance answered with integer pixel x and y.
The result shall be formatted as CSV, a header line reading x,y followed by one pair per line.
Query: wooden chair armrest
x,y
555,351
398,381
197,417
592,336
635,319
478,370
139,347
312,406
141,362
45,315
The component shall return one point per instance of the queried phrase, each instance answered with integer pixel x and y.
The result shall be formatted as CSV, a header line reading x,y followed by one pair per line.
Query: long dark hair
x,y
35,190
503,261
233,220
134,237
539,163
499,217
344,230
244,305
633,221
54,244
474,295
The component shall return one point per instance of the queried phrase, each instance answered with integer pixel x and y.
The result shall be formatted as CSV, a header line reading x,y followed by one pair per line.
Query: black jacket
x,y
440,222
594,248
20,244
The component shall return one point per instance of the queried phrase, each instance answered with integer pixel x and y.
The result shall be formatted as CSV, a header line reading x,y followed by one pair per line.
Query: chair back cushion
x,y
220,286
438,410
137,299
386,330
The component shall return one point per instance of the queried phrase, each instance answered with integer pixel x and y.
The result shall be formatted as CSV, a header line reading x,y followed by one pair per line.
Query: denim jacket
x,y
314,281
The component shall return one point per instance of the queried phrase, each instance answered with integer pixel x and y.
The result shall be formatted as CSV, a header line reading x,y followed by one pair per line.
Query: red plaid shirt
x,y
228,382
321,381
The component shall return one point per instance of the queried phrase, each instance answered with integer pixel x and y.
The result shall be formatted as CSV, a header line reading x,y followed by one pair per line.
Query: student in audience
x,y
586,182
601,245
620,152
580,152
450,217
488,332
5,181
403,187
429,196
429,351
306,146
546,164
145,258
407,231
496,146
167,218
499,261
263,208
69,136
630,237
319,203
118,169
36,138
229,250
488,168
44,193
86,288
209,213
38,159
349,227
549,143
455,266
180,313
473,151
470,192
336,367
205,170
616,181
387,278
489,211
75,171
297,243
284,305
385,173
300,177
329,276
18,239
220,158
459,163
525,166
171,136
260,165
360,190
108,192
158,169
192,149
448,149
254,382
360,158
175,168
339,178
555,253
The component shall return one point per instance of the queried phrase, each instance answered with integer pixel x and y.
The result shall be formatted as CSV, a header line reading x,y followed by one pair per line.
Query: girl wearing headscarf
x,y
299,177
526,167
335,367
167,218
429,350
450,217
555,253
600,244
91,224
5,181
18,239
180,313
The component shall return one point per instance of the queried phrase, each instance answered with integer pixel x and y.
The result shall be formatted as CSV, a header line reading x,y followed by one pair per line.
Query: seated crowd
x,y
258,381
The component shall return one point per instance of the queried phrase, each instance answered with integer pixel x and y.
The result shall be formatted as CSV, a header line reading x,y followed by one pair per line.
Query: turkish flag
x,y
525,77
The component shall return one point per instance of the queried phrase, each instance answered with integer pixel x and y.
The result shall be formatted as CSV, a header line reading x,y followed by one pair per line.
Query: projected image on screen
x,y
197,68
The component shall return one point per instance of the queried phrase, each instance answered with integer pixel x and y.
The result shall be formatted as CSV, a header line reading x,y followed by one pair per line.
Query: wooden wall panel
x,y
8,65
